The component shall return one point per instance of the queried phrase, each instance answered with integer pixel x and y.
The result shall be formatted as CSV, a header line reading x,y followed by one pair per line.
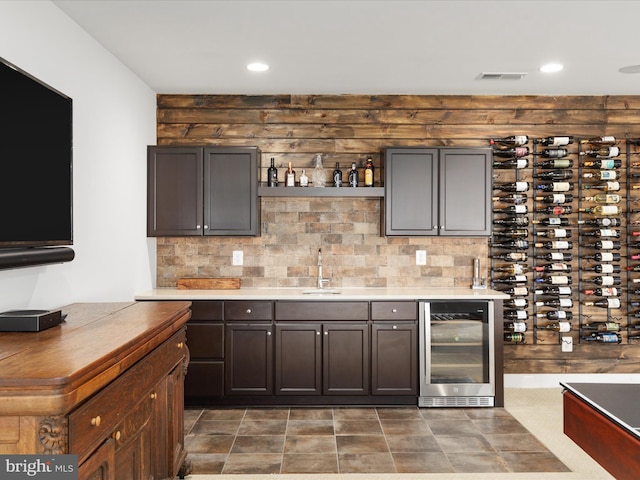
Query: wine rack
x,y
567,247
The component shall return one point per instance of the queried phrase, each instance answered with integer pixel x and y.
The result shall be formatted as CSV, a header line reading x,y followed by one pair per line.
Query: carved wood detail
x,y
53,434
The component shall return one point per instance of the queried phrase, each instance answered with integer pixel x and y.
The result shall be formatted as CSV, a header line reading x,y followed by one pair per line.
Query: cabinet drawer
x,y
205,340
248,310
322,310
394,310
206,310
94,421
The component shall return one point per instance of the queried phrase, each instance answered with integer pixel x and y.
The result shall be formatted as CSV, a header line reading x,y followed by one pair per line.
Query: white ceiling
x,y
370,47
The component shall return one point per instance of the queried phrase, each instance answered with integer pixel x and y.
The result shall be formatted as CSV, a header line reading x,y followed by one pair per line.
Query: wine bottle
x,y
634,268
603,210
513,163
510,141
337,176
353,175
555,280
604,245
561,327
515,198
515,314
368,173
555,141
512,187
519,291
516,303
514,152
556,210
555,187
514,337
604,303
518,221
604,280
555,245
602,326
520,327
608,140
556,163
605,268
556,315
290,177
512,279
602,232
604,164
603,257
602,175
512,256
556,198
513,209
604,292
554,175
607,186
606,198
553,290
272,175
603,337
603,152
304,179
513,268
512,233
555,256
512,244
554,152
554,267
551,221
561,302
554,233
601,222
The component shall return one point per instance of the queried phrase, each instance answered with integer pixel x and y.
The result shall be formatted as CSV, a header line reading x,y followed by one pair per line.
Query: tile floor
x,y
362,440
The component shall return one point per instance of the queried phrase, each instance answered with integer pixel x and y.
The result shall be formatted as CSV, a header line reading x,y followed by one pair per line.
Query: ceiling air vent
x,y
501,76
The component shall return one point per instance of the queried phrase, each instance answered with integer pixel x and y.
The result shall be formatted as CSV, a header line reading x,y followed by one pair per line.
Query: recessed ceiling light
x,y
258,67
551,67
630,69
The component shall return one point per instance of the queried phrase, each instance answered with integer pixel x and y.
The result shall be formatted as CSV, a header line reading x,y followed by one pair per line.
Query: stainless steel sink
x,y
321,291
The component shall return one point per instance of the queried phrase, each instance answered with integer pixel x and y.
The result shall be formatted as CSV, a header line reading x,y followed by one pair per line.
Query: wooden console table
x,y
604,420
106,384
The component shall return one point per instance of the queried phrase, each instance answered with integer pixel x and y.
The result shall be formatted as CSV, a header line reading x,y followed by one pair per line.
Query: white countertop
x,y
288,293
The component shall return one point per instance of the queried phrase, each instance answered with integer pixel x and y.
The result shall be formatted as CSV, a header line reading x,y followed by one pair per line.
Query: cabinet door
x,y
174,191
345,359
176,452
101,464
248,359
465,191
394,359
298,359
411,191
231,191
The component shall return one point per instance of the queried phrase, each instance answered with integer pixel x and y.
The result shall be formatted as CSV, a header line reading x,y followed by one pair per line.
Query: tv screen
x,y
35,162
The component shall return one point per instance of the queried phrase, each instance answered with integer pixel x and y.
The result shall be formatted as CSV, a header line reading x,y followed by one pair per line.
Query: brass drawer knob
x,y
117,435
180,344
95,421
154,395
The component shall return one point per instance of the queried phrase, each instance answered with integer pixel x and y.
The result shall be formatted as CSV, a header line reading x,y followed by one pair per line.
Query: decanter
x,y
318,177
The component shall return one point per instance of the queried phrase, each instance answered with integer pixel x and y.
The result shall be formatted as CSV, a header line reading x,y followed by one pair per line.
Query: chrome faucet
x,y
321,281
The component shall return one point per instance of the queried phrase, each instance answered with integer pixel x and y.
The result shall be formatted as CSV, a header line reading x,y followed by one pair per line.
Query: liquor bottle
x,y
602,232
520,327
604,245
512,233
512,256
604,303
605,268
603,210
604,337
512,221
601,222
561,327
513,268
608,140
556,315
516,303
602,175
606,198
607,187
290,177
555,245
554,267
304,179
513,163
555,256
272,175
512,279
605,280
514,337
512,244
554,152
515,198
337,176
554,175
603,257
554,233
515,314
553,290
551,221
603,152
511,141
515,291
556,198
555,280
603,164
514,152
561,302
368,173
555,141
511,187
604,292
556,210
353,176
555,187
556,163
513,209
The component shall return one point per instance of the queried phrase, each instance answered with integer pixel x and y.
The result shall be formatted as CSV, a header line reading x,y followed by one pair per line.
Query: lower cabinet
x,y
298,359
249,359
394,358
345,359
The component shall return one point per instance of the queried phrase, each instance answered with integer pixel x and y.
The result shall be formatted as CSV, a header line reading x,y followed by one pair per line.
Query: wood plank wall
x,y
347,128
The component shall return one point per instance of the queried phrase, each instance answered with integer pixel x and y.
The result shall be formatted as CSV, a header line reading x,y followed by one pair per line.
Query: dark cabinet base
x,y
304,401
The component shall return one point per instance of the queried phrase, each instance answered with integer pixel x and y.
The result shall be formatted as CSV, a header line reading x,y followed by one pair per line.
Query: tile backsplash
x,y
354,253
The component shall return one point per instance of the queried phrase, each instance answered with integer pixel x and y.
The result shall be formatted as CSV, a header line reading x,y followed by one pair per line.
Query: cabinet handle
x,y
198,227
154,395
268,333
326,333
117,436
318,333
95,421
248,310
395,327
206,227
394,310
180,344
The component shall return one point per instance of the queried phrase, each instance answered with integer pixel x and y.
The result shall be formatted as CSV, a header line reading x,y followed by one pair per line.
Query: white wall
x,y
114,121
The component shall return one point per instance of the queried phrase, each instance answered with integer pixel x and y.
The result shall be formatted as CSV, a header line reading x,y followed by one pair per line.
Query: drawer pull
x,y
95,421
395,327
394,310
248,310
269,333
180,344
117,436
154,395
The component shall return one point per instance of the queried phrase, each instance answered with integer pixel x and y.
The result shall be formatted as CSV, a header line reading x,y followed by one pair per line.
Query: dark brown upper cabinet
x,y
437,191
202,191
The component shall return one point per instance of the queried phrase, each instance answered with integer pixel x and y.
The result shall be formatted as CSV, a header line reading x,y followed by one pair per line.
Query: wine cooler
x,y
456,354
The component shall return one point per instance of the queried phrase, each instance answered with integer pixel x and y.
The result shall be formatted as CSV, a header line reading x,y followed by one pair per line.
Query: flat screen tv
x,y
35,162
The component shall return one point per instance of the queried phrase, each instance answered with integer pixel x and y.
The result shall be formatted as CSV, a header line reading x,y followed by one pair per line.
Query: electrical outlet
x,y
567,344
421,257
238,257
